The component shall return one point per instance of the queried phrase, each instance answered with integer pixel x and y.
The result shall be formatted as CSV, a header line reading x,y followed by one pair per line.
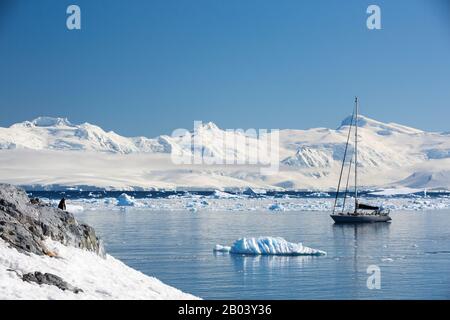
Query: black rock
x,y
50,279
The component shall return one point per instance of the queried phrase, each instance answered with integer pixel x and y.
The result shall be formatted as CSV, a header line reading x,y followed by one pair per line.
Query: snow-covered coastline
x,y
45,253
99,278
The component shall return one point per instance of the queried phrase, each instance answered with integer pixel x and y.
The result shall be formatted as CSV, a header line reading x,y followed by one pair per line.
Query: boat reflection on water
x,y
355,246
361,238
360,230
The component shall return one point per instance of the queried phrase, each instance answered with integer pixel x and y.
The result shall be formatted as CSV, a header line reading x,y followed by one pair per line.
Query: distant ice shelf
x,y
396,191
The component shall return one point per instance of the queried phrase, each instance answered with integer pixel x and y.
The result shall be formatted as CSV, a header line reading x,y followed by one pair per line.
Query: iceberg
x,y
269,246
125,200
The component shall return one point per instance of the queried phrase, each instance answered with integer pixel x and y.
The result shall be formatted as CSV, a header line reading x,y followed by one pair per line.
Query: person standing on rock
x,y
62,204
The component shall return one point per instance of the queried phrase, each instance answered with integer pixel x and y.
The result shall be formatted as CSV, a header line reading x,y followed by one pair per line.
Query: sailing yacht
x,y
362,213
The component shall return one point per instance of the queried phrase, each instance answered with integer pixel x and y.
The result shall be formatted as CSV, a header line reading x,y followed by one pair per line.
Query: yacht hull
x,y
344,218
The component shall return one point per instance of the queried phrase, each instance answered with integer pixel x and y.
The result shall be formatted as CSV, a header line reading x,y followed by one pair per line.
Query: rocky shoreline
x,y
25,223
45,253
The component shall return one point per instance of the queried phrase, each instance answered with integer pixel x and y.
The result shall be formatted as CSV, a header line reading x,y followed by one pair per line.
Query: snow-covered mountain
x,y
46,133
389,154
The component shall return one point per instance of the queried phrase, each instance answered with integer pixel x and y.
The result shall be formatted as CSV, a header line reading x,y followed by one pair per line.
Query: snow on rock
x,y
97,277
46,254
307,157
268,246
51,122
48,133
427,179
125,200
73,208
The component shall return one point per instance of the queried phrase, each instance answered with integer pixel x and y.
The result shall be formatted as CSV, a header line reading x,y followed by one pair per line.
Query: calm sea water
x,y
413,253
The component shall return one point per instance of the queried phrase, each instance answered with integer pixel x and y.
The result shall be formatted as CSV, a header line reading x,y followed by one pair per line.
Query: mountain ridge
x,y
389,153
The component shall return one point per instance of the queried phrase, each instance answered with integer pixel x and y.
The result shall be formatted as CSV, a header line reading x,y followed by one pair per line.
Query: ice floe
x,y
244,203
276,207
387,260
223,195
319,195
220,248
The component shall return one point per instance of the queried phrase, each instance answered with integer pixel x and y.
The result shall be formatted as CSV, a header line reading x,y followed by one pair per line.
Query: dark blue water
x,y
413,253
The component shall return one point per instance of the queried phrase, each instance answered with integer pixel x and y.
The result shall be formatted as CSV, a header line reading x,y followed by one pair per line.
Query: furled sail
x,y
367,207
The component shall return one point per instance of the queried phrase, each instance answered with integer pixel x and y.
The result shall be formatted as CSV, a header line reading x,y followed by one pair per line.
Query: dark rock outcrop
x,y
25,224
50,279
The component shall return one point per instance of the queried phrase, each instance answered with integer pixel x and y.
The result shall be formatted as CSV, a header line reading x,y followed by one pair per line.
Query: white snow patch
x,y
73,208
99,278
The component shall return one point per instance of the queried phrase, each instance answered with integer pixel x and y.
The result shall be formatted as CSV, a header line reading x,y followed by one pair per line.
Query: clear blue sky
x,y
147,67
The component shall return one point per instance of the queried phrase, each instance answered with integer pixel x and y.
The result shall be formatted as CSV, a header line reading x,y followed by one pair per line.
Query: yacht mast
x,y
356,155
